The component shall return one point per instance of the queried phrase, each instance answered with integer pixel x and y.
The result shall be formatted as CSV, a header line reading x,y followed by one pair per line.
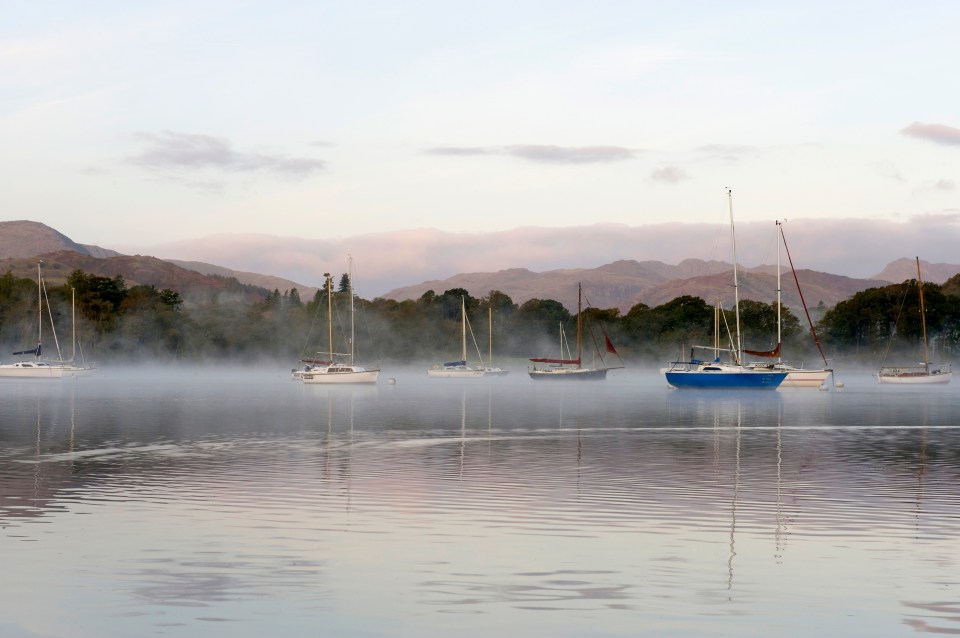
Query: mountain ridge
x,y
620,284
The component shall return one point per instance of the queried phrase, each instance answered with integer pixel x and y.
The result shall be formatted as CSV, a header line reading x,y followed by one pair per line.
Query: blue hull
x,y
726,380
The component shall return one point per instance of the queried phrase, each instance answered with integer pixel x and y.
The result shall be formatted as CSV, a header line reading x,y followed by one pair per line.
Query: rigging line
x,y
803,301
312,325
597,354
896,321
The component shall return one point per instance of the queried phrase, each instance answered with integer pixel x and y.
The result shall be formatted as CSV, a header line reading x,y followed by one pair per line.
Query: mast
x,y
39,304
463,329
350,282
803,302
490,332
716,331
579,322
778,292
736,287
923,320
329,320
73,324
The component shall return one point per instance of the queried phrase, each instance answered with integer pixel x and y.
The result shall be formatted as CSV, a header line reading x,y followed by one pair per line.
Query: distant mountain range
x,y
620,284
624,284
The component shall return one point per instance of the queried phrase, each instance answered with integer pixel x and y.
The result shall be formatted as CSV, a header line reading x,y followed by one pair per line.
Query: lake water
x,y
208,503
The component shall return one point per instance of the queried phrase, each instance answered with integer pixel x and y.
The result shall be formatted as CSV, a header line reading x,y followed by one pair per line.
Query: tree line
x,y
117,322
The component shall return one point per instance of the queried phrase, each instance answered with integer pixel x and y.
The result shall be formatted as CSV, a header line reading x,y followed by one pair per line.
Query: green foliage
x,y
139,322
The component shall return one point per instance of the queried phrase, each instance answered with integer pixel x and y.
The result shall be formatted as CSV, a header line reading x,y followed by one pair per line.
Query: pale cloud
x,y
887,169
947,185
730,153
170,150
571,155
457,150
544,153
937,133
669,175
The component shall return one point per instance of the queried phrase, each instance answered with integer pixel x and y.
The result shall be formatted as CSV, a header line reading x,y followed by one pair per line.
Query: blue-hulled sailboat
x,y
734,375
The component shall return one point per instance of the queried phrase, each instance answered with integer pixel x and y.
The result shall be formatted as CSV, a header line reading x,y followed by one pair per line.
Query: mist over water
x,y
219,502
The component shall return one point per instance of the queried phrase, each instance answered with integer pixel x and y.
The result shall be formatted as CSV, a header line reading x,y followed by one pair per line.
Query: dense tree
x,y
137,322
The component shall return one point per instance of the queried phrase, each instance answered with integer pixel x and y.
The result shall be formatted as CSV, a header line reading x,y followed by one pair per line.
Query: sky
x,y
128,123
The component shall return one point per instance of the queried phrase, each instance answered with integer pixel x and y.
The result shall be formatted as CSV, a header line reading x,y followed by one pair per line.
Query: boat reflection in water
x,y
466,508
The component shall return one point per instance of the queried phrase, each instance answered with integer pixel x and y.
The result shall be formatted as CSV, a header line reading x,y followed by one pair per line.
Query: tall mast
x,y
463,329
350,282
803,302
39,305
73,323
490,333
736,286
778,291
579,322
329,320
923,319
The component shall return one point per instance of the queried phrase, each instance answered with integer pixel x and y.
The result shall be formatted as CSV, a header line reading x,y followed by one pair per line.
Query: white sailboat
x,y
459,369
923,373
38,368
797,376
329,371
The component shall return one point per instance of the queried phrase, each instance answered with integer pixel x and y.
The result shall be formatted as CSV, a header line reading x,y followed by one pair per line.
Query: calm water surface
x,y
204,503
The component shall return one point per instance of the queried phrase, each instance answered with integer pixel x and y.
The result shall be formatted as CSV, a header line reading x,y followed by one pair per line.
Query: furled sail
x,y
764,353
35,351
569,362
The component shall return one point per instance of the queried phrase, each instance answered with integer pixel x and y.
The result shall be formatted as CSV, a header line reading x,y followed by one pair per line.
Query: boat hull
x,y
569,374
341,375
25,370
455,373
915,379
725,379
806,378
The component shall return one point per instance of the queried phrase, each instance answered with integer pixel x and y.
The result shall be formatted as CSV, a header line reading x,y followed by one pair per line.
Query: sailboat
x,y
569,368
797,376
698,374
490,369
459,369
328,371
921,373
38,368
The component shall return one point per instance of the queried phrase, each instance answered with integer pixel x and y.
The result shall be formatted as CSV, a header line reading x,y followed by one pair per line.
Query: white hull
x,y
31,371
805,378
41,370
455,373
338,375
915,379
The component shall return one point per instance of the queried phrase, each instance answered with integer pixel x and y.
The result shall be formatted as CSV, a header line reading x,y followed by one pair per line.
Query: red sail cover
x,y
570,362
760,353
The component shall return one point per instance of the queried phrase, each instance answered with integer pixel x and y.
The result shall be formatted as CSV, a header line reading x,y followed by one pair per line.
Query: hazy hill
x,y
22,241
624,284
268,282
903,269
620,284
151,271
24,238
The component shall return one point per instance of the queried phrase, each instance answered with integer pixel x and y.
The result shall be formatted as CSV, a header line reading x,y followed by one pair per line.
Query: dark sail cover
x,y
35,351
455,364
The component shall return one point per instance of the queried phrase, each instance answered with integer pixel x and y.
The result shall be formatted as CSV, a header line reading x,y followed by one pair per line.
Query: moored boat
x,y
733,375
921,373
